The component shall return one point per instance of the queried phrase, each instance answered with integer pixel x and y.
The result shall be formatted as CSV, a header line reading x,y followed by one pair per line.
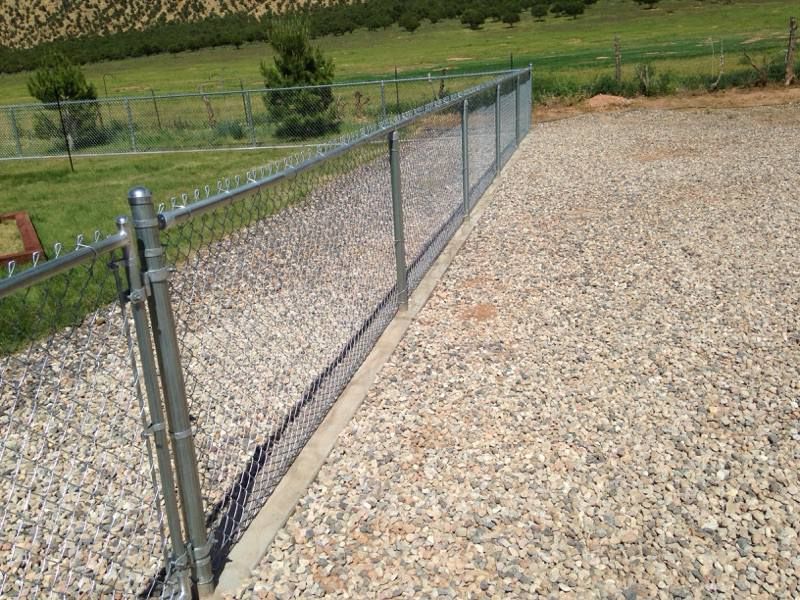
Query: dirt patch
x,y
606,102
734,98
479,312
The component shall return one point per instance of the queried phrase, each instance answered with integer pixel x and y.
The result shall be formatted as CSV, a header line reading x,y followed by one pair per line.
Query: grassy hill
x,y
25,24
677,36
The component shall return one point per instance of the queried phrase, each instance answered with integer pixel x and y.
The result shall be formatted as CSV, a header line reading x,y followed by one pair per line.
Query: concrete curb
x,y
255,542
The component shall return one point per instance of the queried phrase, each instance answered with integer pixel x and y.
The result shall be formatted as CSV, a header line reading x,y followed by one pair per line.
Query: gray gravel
x,y
601,398
260,314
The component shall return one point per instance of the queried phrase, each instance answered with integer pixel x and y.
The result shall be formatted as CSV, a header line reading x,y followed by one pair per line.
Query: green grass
x,y
673,33
569,55
63,204
10,239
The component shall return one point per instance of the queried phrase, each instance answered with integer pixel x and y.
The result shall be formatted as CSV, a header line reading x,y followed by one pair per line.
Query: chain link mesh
x,y
291,118
278,297
481,134
80,512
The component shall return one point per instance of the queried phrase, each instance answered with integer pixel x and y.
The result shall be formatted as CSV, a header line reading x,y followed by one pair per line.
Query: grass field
x,y
63,204
566,53
674,34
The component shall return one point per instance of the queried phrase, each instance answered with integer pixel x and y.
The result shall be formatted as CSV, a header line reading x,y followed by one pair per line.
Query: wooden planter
x,y
30,240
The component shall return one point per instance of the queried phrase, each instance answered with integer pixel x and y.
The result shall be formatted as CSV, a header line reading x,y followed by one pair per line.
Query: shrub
x,y
233,129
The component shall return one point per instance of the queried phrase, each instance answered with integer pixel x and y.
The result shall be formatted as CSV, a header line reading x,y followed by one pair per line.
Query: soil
x,y
733,98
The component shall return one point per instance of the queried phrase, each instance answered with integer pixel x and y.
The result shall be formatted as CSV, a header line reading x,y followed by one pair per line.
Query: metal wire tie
x,y
182,435
137,295
153,428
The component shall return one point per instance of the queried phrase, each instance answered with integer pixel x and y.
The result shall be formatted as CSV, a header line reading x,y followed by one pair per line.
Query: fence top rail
x,y
82,254
344,84
303,162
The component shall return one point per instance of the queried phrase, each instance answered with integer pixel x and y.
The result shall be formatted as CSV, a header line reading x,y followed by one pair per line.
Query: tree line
x,y
336,18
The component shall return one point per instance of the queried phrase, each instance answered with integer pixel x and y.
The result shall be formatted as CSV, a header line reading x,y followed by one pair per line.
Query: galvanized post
x,y
248,107
517,123
162,320
397,212
529,116
465,156
157,427
131,129
15,130
383,101
497,149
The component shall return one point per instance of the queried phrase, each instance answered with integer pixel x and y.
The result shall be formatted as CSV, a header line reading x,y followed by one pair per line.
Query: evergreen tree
x,y
300,113
58,80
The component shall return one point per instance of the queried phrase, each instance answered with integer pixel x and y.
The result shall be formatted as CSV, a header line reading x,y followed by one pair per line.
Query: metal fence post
x,y
131,129
383,101
529,118
15,130
162,319
397,212
465,156
497,150
248,107
517,123
157,427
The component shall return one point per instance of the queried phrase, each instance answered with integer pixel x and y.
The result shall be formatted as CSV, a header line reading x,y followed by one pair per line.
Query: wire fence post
x,y
67,140
497,117
399,230
517,119
155,107
530,83
162,320
248,107
383,101
15,131
178,562
465,156
131,129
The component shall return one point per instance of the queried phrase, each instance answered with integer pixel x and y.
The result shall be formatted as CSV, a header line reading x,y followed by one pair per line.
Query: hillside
x,y
25,24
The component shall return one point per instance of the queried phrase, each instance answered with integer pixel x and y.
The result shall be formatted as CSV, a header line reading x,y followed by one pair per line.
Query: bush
x,y
606,84
473,18
232,129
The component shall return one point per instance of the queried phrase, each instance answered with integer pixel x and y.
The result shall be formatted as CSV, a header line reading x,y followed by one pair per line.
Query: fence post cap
x,y
139,195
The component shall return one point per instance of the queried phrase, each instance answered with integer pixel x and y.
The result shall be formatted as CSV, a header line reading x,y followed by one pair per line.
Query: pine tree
x,y
299,113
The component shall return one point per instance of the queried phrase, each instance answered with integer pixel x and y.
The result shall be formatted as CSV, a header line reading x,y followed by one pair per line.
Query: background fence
x,y
158,383
214,120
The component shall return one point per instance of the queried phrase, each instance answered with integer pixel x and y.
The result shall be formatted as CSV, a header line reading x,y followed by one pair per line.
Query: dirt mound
x,y
605,101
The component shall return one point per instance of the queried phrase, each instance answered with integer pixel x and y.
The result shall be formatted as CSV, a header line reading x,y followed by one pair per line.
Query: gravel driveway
x,y
601,398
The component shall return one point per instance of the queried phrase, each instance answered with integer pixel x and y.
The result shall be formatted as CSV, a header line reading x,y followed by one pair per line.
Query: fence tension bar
x,y
162,317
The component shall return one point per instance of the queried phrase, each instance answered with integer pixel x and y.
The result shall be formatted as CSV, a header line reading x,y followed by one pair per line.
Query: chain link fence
x,y
248,118
157,384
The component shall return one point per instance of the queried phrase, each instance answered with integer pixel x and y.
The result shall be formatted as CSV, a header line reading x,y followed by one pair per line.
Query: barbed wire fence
x,y
246,118
156,384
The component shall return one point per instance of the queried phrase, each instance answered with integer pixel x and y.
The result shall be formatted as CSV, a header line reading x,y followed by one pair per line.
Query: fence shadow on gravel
x,y
157,384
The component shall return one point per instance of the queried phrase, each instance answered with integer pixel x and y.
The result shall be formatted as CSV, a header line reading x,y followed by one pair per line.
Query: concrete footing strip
x,y
255,542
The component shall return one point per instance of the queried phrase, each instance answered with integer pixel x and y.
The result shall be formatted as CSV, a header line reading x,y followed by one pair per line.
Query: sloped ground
x,y
601,398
